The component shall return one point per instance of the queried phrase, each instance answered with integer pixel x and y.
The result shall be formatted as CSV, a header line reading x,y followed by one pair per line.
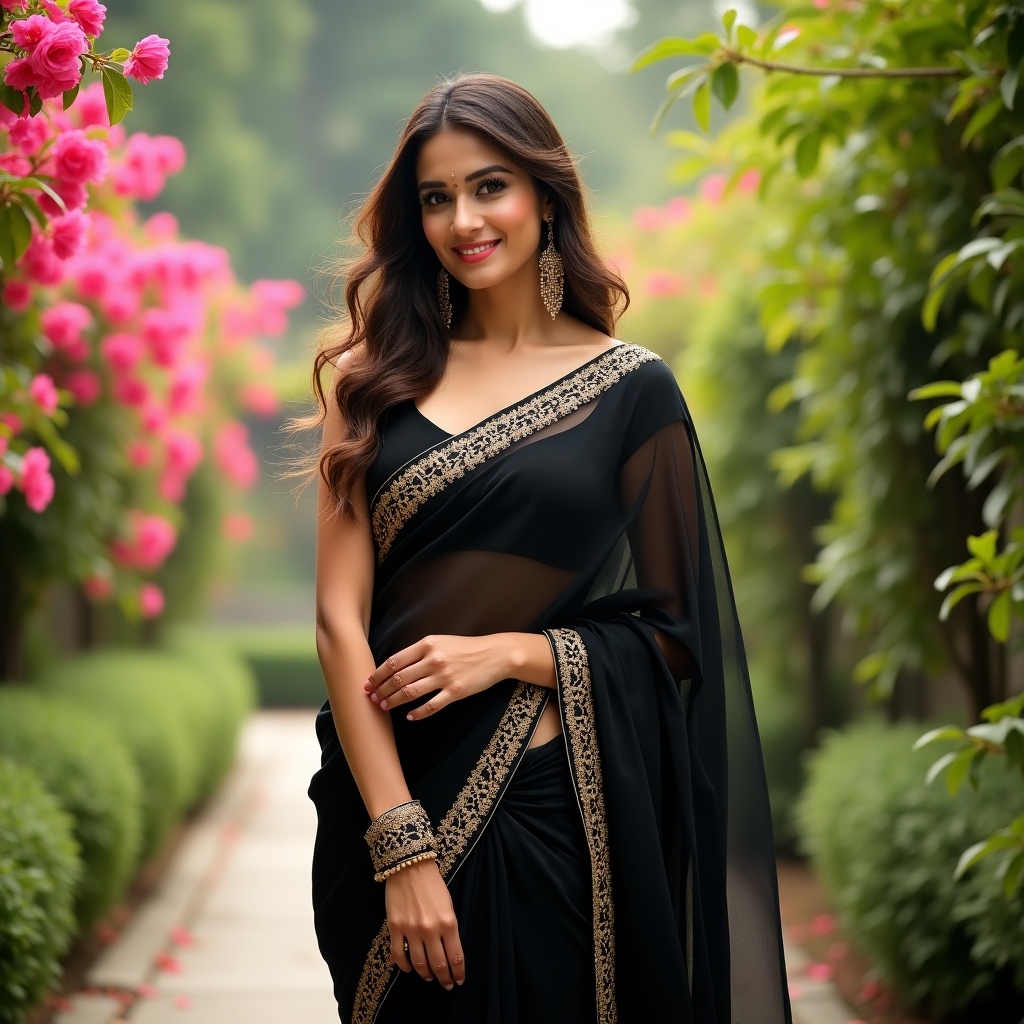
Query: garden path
x,y
227,936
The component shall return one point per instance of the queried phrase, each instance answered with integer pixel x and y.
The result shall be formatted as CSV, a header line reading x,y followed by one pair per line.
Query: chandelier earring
x,y
444,301
552,273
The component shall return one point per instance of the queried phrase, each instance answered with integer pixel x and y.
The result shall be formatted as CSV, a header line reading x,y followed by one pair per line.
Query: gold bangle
x,y
400,836
382,875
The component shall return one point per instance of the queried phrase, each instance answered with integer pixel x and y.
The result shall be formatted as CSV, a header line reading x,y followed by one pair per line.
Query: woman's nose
x,y
465,216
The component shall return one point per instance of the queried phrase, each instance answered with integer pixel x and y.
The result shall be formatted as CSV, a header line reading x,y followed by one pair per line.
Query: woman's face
x,y
481,212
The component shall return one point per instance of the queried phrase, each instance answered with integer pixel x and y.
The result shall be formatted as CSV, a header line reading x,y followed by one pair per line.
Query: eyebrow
x,y
469,177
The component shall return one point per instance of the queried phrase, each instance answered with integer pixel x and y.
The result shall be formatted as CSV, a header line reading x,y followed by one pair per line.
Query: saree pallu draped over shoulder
x,y
625,872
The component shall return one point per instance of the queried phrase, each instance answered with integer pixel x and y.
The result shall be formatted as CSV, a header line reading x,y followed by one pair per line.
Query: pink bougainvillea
x,y
111,313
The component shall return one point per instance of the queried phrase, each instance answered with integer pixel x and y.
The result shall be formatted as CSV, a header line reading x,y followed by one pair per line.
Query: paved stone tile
x,y
233,1008
89,1010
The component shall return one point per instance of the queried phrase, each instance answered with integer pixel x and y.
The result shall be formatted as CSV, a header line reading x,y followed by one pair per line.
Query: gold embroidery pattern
x,y
431,474
577,699
457,829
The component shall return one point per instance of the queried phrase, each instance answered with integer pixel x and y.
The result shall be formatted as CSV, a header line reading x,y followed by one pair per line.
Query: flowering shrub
x,y
129,352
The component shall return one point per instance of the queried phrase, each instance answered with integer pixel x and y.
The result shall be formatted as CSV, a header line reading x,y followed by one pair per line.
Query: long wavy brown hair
x,y
391,309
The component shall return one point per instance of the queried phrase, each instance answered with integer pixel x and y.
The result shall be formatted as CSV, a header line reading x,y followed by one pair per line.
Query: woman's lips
x,y
476,253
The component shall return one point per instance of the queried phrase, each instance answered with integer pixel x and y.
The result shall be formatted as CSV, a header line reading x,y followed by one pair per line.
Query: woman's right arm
x,y
419,907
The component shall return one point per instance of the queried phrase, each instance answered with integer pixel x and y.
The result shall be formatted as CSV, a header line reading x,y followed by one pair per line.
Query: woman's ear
x,y
547,207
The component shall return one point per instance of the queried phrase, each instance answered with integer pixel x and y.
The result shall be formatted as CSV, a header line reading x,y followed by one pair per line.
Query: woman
x,y
538,698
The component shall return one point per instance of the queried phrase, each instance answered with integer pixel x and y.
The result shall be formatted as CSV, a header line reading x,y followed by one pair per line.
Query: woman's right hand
x,y
420,913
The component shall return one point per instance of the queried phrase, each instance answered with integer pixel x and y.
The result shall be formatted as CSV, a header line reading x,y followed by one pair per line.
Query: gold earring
x,y
552,274
443,298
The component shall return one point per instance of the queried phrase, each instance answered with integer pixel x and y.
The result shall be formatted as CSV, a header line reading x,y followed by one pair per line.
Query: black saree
x,y
625,871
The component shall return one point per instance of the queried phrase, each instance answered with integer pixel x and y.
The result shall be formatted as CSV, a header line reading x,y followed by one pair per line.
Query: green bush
x,y
231,686
39,870
136,692
886,845
82,763
284,661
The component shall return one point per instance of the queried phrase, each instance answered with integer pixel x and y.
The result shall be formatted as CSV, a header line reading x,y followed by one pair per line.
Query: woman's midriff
x,y
549,725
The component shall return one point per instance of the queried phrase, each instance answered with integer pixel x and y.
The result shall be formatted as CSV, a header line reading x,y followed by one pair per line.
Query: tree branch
x,y
800,69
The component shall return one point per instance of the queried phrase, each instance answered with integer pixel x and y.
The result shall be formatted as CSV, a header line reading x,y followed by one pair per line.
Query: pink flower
x,y
151,600
181,936
140,455
171,486
43,392
78,159
234,456
183,1002
237,527
750,181
4,444
649,218
163,332
16,165
97,587
91,108
6,480
148,162
19,75
132,392
663,283
57,59
89,14
146,990
92,277
162,226
84,385
148,59
64,323
36,481
17,296
186,388
819,972
122,352
28,33
68,234
13,5
259,398
678,210
184,452
12,421
712,188
73,195
121,305
823,924
151,540
154,418
30,134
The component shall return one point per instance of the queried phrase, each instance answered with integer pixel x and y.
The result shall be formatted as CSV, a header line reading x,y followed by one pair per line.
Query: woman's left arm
x,y
453,667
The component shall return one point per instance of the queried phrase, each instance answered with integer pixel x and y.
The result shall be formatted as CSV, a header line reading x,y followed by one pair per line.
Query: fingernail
x,y
374,697
384,704
448,988
367,685
460,982
409,718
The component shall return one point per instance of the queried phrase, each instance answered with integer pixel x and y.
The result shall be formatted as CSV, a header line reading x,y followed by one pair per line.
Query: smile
x,y
476,253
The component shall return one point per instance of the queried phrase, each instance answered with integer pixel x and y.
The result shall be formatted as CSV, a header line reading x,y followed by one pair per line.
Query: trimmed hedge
x,y
135,692
284,661
886,844
39,869
80,760
231,686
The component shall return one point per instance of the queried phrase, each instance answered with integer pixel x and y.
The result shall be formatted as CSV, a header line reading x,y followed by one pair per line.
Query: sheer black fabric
x,y
583,511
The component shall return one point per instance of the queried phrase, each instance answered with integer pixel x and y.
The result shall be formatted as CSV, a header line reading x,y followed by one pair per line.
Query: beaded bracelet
x,y
399,837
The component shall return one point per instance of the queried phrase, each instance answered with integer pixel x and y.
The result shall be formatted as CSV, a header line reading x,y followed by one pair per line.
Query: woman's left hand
x,y
454,666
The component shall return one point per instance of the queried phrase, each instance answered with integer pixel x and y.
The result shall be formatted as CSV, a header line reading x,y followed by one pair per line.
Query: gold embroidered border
x,y
457,829
431,474
573,667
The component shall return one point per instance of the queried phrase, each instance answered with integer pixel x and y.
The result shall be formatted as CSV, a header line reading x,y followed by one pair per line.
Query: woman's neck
x,y
509,314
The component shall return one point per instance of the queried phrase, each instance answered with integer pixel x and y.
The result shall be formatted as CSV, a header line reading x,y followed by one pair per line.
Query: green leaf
x,y
745,37
725,83
117,93
21,230
1015,42
983,546
694,80
939,767
119,54
71,95
729,19
808,150
939,389
1007,163
970,857
954,597
12,99
956,774
702,106
7,253
673,47
944,732
982,118
1014,875
1008,85
999,617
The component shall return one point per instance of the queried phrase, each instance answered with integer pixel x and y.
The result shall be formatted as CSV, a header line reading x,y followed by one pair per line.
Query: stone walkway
x,y
227,937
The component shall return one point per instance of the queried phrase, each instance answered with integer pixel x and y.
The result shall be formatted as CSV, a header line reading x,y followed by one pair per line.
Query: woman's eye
x,y
433,198
491,185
